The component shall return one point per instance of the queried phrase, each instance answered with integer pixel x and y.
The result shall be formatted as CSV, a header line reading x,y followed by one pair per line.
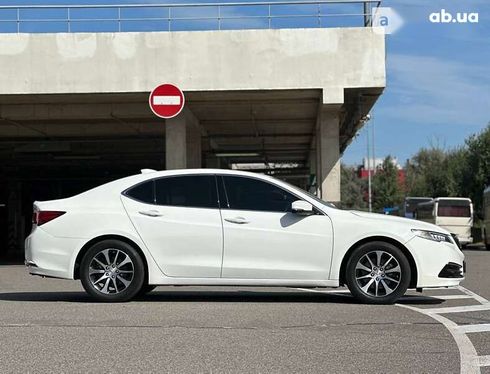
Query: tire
x,y
112,271
147,288
385,285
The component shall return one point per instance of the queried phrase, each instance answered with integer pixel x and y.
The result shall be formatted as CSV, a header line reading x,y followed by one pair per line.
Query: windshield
x,y
454,208
412,202
317,199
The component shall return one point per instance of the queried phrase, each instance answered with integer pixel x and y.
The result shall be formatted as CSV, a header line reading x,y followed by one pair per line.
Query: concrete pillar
x,y
328,155
193,150
183,141
313,171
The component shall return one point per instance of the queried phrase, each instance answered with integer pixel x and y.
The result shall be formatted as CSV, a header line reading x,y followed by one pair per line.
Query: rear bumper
x,y
50,256
49,273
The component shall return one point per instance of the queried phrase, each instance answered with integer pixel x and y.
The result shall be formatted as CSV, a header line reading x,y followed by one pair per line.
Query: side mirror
x,y
302,207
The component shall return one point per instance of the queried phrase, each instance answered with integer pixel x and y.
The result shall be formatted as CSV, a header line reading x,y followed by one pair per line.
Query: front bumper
x,y
431,258
452,270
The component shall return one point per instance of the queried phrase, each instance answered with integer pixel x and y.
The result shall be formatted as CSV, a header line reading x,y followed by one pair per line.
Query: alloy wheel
x,y
378,273
111,271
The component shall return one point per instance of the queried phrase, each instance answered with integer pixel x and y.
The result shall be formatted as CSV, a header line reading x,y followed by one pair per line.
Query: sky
x,y
438,74
438,81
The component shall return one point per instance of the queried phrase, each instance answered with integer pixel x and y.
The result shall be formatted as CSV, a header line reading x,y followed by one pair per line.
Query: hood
x,y
409,222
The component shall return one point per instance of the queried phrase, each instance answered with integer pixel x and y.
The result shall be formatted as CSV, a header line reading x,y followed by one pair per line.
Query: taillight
x,y
42,216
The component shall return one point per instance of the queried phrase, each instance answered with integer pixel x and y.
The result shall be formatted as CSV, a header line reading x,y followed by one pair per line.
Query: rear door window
x,y
193,191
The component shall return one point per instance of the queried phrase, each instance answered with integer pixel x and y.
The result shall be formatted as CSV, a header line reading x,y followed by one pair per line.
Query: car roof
x,y
163,173
452,198
127,182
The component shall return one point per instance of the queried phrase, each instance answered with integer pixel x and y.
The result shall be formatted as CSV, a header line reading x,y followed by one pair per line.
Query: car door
x,y
263,239
178,219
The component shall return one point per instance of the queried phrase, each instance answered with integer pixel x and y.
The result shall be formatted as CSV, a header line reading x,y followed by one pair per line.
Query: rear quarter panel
x,y
93,214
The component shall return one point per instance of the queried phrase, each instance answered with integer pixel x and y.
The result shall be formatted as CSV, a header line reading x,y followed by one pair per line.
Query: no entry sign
x,y
166,100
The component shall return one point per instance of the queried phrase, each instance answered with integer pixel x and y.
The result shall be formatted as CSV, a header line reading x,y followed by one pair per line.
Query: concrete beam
x,y
248,59
332,95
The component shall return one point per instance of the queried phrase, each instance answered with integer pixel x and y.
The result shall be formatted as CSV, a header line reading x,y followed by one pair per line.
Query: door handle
x,y
237,220
150,213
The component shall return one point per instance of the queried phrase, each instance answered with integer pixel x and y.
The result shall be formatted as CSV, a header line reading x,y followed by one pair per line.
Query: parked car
x,y
454,214
231,228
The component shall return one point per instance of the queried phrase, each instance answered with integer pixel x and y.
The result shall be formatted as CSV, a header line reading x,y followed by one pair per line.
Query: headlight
x,y
432,235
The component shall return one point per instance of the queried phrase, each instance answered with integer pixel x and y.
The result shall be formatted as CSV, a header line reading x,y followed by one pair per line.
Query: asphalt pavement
x,y
49,325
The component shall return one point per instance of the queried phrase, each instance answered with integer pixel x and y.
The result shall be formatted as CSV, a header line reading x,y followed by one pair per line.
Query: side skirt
x,y
246,282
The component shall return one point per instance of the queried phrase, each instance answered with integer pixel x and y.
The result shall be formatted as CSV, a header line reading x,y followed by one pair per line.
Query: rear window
x,y
143,192
453,208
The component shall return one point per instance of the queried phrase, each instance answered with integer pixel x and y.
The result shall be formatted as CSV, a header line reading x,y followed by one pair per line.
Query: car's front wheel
x,y
378,273
112,271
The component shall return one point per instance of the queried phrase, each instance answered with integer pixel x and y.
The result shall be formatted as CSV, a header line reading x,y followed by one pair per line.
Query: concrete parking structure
x,y
74,107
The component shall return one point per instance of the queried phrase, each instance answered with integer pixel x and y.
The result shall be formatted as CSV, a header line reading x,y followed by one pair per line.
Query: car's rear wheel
x,y
147,288
112,271
378,273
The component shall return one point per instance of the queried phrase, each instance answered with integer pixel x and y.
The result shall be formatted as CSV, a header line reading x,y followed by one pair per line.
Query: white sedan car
x,y
227,228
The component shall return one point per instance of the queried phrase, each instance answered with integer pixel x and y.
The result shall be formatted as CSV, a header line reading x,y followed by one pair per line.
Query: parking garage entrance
x,y
55,146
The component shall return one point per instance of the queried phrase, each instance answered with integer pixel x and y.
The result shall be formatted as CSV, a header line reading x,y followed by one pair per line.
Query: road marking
x,y
477,297
470,361
404,298
429,297
484,360
323,291
482,327
452,297
457,309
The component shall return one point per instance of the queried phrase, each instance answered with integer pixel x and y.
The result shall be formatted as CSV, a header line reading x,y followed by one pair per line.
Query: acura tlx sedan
x,y
227,228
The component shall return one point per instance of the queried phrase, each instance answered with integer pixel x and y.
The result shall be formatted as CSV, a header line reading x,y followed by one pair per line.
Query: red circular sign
x,y
166,100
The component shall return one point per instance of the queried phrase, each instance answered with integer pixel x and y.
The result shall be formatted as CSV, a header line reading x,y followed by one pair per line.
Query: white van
x,y
486,217
455,214
411,203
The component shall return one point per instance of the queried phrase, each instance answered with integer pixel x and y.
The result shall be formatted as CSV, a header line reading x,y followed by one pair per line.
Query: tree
x,y
387,192
352,188
463,172
476,173
427,173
